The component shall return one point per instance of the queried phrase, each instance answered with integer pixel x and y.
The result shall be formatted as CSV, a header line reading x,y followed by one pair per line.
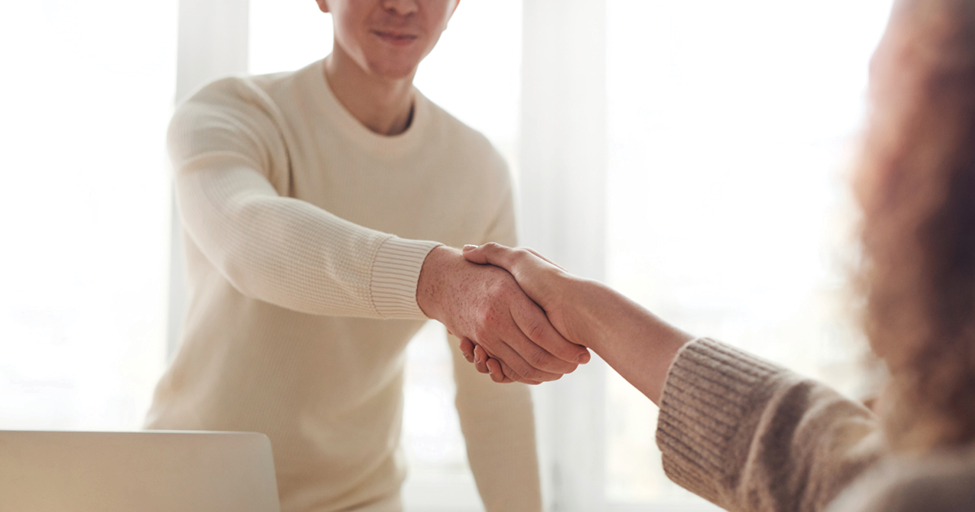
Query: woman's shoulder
x,y
939,482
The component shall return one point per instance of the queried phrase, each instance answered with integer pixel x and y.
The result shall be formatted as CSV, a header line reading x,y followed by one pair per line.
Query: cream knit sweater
x,y
305,235
749,435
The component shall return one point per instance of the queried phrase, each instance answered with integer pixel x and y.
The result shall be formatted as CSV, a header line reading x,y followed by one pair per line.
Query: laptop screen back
x,y
136,471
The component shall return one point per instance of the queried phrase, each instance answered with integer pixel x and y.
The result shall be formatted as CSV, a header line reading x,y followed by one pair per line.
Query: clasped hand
x,y
542,280
484,303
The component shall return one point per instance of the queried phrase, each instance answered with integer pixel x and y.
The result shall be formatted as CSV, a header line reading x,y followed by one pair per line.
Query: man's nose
x,y
401,7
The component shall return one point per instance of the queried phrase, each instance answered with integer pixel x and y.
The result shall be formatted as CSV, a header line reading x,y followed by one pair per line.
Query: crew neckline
x,y
353,129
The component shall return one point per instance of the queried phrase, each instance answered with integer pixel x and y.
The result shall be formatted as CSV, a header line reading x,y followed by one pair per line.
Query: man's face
x,y
388,38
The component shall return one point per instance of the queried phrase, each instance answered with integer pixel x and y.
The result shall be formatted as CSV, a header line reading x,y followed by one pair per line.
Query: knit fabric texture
x,y
749,435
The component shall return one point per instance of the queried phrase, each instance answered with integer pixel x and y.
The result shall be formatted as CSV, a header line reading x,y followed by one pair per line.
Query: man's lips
x,y
395,38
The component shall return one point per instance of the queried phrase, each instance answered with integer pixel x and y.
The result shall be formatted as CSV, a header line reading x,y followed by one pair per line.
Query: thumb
x,y
488,254
474,254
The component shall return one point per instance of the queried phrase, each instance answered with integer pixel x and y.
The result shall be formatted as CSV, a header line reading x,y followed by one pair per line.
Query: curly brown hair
x,y
916,186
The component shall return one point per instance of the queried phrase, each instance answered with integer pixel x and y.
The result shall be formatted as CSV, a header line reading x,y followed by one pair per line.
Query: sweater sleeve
x,y
748,435
227,150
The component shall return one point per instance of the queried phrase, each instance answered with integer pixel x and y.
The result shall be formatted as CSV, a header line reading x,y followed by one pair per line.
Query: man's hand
x,y
484,303
543,281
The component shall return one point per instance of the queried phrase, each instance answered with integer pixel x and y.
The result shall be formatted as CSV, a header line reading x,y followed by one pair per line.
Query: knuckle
x,y
504,285
523,371
478,334
536,330
537,358
484,316
567,353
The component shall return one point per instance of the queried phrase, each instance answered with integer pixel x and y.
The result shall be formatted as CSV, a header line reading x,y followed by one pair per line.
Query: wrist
x,y
578,298
432,281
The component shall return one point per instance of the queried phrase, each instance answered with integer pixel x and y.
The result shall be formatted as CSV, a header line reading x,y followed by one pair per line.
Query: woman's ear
x,y
323,5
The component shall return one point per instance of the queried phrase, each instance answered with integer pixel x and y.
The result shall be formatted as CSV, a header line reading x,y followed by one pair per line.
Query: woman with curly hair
x,y
747,434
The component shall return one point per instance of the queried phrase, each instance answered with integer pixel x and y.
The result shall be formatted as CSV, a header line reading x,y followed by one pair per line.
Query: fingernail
x,y
469,247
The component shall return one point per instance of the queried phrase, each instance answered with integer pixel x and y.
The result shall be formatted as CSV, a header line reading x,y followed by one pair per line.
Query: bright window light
x,y
85,210
731,127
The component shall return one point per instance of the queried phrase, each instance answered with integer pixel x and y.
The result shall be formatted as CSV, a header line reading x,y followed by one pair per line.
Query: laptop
x,y
151,471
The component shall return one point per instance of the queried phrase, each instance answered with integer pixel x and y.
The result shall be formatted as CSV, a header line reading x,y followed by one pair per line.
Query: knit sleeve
x,y
227,151
748,435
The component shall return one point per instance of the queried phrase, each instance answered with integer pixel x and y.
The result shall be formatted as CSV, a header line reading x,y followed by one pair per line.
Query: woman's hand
x,y
634,341
543,281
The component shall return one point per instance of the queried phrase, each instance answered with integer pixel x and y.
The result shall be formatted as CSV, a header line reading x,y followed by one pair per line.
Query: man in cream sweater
x,y
319,209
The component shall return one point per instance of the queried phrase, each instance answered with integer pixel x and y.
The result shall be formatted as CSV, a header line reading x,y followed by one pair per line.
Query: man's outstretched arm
x,y
287,252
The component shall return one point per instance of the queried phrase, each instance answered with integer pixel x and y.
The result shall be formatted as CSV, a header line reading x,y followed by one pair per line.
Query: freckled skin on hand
x,y
485,304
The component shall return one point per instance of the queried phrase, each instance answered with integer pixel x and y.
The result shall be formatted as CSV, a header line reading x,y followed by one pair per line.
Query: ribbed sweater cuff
x,y
710,390
395,272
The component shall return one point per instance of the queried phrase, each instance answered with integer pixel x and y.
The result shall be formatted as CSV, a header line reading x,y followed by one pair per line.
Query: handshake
x,y
509,307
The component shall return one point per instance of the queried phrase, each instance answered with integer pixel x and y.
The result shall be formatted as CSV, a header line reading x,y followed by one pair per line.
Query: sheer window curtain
x,y
562,215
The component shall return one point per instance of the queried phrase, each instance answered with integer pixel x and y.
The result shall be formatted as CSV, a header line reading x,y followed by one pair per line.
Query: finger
x,y
497,372
534,324
490,254
480,359
511,376
467,348
494,368
523,371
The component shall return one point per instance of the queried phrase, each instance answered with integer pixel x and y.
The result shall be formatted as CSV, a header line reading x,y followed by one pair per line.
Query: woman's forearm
x,y
636,343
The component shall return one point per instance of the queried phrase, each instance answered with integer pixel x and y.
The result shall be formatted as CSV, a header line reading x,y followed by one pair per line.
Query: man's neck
x,y
383,105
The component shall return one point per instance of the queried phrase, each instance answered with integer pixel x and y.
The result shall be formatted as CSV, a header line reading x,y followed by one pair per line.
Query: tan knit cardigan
x,y
748,435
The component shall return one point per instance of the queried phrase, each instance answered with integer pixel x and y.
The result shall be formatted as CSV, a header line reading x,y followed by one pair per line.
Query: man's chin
x,y
395,70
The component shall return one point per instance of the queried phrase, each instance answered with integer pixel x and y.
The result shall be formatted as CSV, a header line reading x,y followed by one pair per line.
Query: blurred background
x,y
695,155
